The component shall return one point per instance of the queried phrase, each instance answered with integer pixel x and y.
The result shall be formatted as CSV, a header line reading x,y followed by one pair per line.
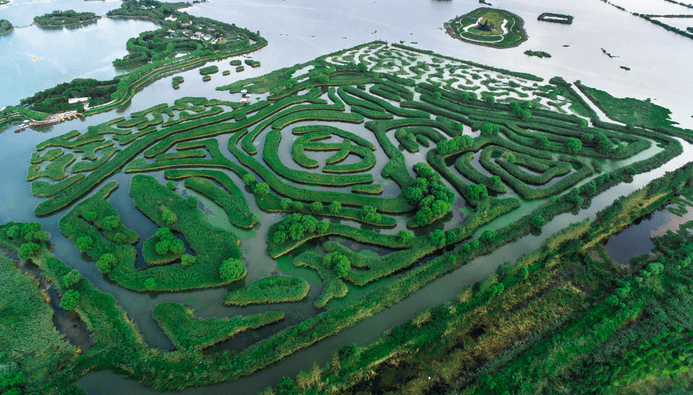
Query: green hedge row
x,y
189,332
275,289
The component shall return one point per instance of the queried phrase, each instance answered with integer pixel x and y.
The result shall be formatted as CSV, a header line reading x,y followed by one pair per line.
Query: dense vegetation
x,y
60,18
490,169
5,26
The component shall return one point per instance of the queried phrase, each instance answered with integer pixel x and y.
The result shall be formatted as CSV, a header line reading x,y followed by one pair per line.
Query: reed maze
x,y
385,163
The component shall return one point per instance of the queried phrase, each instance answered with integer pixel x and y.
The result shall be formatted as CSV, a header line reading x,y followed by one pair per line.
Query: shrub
x,y
405,236
477,191
537,221
231,269
187,260
170,185
90,216
84,243
489,129
106,263
28,250
286,203
120,238
192,202
71,278
573,145
70,299
261,190
437,238
249,179
150,284
316,207
111,222
169,217
297,206
488,236
335,207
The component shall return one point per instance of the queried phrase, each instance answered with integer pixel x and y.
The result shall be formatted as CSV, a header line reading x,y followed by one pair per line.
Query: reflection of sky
x,y
84,51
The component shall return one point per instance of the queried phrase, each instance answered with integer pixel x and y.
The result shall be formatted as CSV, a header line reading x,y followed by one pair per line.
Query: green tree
x,y
335,207
437,238
150,284
14,232
342,266
477,191
261,190
169,217
192,202
29,230
12,380
297,206
111,222
414,194
286,203
489,129
71,278
316,207
120,238
187,260
537,221
84,243
248,179
405,236
322,227
437,95
542,142
170,185
573,145
231,269
28,250
510,157
90,216
106,263
280,237
488,236
70,299
496,183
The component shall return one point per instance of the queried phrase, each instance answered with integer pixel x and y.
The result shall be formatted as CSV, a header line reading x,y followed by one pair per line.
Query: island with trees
x,y
63,18
490,27
5,26
314,162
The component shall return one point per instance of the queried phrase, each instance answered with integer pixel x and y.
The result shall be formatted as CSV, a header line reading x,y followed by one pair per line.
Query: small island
x,y
5,27
555,18
62,18
489,27
539,54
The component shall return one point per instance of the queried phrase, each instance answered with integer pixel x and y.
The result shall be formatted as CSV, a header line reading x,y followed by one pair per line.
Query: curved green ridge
x,y
189,332
275,289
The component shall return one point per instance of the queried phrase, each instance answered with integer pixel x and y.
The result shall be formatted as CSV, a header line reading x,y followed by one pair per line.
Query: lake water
x,y
298,31
62,54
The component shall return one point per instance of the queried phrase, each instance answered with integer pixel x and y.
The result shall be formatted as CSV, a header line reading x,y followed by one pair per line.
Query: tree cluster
x,y
296,226
337,262
168,242
455,145
231,269
429,194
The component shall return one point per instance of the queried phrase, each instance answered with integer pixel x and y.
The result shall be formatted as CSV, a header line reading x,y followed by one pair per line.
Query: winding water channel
x,y
298,31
